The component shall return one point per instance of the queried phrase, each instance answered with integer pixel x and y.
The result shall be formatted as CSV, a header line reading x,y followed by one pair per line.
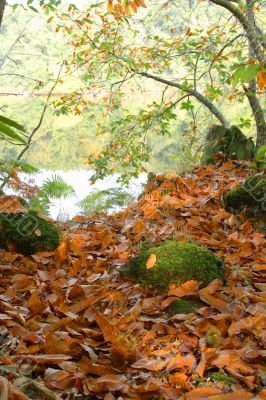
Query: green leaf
x,y
5,130
245,73
33,9
10,122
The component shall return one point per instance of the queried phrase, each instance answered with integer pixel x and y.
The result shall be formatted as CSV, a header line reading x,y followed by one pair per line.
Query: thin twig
x,y
23,151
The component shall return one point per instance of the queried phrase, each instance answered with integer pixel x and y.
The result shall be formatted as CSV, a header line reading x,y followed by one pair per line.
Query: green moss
x,y
27,233
176,263
250,196
218,376
185,306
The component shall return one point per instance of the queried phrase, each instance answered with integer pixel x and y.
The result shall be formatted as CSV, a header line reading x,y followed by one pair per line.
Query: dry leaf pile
x,y
71,325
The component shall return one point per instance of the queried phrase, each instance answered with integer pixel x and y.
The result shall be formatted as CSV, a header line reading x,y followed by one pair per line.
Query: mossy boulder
x,y
176,263
27,233
185,306
251,196
229,141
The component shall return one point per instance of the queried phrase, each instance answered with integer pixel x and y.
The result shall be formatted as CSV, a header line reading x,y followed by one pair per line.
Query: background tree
x,y
197,62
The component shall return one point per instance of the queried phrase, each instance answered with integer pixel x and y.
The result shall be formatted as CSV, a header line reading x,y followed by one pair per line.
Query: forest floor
x,y
72,328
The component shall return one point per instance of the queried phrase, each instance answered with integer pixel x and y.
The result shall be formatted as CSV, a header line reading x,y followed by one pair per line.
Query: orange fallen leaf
x,y
186,289
202,393
206,295
150,364
62,252
151,261
35,305
240,395
247,324
8,391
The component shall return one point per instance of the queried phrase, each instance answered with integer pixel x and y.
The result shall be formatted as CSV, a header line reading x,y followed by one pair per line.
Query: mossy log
x,y
27,233
176,263
231,142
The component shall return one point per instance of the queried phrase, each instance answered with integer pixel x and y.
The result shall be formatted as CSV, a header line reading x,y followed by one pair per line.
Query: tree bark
x,y
251,91
2,9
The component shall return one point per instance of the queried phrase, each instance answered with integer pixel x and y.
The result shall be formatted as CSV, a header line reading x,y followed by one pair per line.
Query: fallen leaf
x,y
151,261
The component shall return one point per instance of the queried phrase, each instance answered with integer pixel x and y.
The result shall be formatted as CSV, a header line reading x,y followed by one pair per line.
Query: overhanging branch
x,y
192,92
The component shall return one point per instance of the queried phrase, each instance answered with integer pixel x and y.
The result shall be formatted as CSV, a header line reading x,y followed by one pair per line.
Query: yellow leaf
x,y
49,20
110,6
127,10
133,6
151,261
142,3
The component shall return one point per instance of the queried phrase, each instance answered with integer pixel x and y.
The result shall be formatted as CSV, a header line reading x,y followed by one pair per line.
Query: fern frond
x,y
104,200
56,188
25,167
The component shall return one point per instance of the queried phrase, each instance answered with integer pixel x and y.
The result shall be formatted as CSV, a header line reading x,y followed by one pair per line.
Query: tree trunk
x,y
249,29
251,92
2,9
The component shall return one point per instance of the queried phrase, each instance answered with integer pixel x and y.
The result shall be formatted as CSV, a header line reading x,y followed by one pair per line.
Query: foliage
x,y
261,157
63,150
194,63
8,167
104,200
176,263
36,198
11,131
28,233
54,188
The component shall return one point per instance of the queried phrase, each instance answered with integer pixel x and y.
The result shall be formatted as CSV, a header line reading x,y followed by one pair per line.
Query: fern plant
x,y
54,188
104,200
261,157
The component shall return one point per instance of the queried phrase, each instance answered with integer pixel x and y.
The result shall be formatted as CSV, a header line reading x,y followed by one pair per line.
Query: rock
x,y
231,142
28,233
251,196
176,263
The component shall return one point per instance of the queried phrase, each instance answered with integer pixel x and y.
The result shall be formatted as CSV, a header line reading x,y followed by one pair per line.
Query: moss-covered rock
x,y
27,233
251,196
185,306
231,142
176,263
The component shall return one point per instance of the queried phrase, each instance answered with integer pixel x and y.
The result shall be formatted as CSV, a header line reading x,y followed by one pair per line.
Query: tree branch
x,y
248,28
192,92
23,151
2,9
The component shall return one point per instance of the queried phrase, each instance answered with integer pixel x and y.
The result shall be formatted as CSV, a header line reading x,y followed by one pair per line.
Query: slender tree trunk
x,y
251,91
2,9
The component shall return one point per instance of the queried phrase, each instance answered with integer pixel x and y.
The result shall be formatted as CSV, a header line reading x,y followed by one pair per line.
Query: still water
x,y
79,179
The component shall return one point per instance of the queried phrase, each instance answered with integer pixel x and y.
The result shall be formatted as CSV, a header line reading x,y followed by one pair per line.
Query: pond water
x,y
64,209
